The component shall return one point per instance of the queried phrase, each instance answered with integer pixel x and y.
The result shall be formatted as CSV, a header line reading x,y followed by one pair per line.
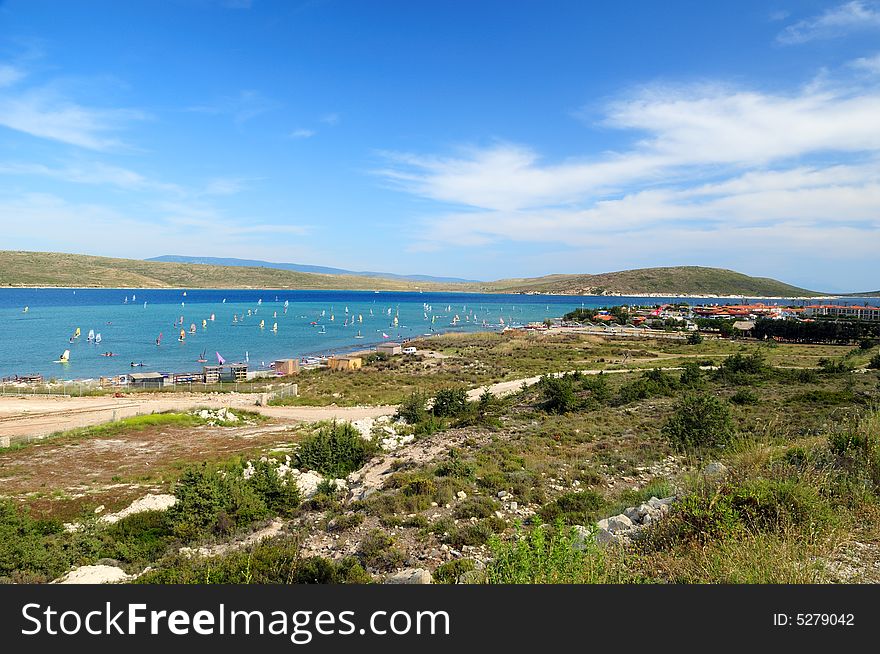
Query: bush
x,y
744,396
477,507
691,376
548,555
598,387
874,363
581,508
867,344
346,521
335,450
694,338
558,394
476,533
449,572
377,551
450,402
455,466
700,421
412,409
740,367
209,502
31,550
269,562
651,384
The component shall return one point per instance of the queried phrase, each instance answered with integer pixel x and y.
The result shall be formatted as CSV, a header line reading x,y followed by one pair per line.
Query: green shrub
x,y
455,466
700,421
449,572
450,402
275,561
419,487
346,521
834,366
874,363
548,555
744,396
412,409
694,338
598,387
377,550
691,376
477,507
475,533
581,508
652,383
31,550
558,394
335,450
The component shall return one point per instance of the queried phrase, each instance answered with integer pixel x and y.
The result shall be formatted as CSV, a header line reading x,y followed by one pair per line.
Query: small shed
x,y
286,367
744,326
389,348
146,379
238,371
345,363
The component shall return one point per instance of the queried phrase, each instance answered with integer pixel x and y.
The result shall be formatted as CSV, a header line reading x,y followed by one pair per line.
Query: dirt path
x,y
36,416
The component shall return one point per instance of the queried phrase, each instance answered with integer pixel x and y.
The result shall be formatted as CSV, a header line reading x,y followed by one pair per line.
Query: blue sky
x,y
467,138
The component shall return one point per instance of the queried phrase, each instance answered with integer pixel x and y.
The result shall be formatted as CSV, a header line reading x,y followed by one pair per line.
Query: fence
x,y
79,389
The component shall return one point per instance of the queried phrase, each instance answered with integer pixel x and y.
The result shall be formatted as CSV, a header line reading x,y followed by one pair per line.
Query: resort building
x,y
840,311
345,363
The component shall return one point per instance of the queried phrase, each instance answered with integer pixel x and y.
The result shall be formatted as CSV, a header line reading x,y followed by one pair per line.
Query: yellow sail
x,y
76,333
262,324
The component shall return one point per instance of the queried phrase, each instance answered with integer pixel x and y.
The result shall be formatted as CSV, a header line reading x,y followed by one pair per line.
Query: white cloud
x,y
302,133
870,65
331,118
710,168
92,173
854,16
45,113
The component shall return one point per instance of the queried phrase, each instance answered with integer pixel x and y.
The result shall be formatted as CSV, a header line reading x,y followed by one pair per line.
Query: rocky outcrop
x,y
622,529
410,576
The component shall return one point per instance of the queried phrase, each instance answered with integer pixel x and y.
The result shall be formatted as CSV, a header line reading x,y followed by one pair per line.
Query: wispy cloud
x,y
331,118
46,112
870,65
302,133
92,173
9,75
711,167
854,16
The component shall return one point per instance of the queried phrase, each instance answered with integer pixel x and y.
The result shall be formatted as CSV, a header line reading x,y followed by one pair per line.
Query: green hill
x,y
685,280
78,270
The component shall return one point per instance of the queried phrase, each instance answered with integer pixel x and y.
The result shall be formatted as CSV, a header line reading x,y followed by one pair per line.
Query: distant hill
x,y
300,267
678,280
79,270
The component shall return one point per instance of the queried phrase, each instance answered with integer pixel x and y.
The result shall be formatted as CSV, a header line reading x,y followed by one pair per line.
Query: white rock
x,y
95,574
616,524
307,482
461,495
149,502
502,494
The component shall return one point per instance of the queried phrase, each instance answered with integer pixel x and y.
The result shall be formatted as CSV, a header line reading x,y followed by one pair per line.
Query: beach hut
x,y
286,366
345,363
389,348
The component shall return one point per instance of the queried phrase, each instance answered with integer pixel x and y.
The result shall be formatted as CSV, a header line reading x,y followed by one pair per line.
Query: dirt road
x,y
34,416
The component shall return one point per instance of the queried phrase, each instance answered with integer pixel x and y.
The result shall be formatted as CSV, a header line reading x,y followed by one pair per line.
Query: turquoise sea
x,y
313,323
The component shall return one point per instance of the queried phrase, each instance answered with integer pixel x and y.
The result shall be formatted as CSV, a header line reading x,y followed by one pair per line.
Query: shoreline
x,y
696,296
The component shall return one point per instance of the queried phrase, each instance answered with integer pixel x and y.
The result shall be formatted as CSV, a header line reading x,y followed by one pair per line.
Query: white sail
x,y
97,338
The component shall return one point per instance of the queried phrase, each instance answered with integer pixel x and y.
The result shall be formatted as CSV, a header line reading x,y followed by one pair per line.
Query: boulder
x,y
716,469
95,574
616,524
410,576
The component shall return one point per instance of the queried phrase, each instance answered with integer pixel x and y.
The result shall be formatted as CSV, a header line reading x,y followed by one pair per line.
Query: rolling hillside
x,y
56,269
77,270
301,267
687,280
